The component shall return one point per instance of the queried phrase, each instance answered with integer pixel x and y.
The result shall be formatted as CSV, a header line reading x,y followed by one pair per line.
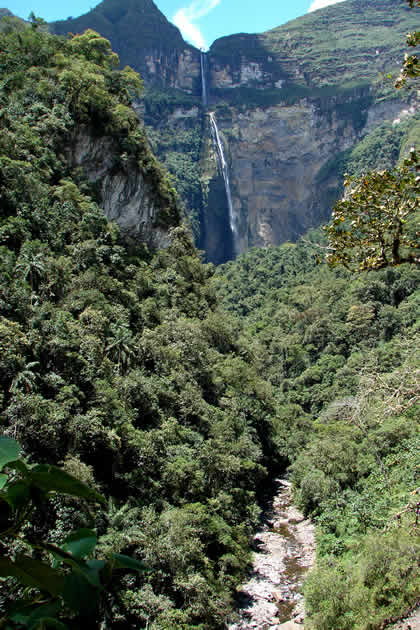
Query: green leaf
x,y
32,615
88,571
33,573
119,561
9,450
92,576
79,595
18,494
18,617
98,565
20,466
80,543
44,614
62,556
53,479
3,481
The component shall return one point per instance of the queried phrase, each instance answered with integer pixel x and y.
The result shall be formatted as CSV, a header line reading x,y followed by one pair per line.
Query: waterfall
x,y
233,219
203,79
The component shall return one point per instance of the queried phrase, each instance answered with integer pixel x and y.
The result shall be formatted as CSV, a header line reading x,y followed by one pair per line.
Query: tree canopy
x,y
377,223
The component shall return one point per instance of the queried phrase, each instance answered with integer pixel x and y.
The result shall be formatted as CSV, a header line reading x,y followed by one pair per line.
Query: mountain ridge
x,y
313,32
309,42
162,48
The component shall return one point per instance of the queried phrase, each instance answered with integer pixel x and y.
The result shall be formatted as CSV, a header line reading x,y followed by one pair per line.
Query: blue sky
x,y
200,21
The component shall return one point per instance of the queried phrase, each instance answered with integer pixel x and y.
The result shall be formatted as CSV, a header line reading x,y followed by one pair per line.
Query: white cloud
x,y
320,4
189,31
184,19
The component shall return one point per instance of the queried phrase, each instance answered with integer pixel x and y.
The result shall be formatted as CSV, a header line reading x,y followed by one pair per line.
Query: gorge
x,y
291,105
157,411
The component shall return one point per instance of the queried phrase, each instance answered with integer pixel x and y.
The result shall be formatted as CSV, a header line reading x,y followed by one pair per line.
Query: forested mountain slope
x,y
114,359
342,352
144,39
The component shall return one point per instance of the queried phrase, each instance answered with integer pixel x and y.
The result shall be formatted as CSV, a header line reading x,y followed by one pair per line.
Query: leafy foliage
x,y
384,148
377,224
67,582
177,141
411,67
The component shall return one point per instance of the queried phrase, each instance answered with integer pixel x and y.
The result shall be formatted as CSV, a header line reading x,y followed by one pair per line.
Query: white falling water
x,y
233,219
203,80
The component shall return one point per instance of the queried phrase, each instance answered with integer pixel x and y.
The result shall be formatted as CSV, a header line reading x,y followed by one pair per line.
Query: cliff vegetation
x,y
343,44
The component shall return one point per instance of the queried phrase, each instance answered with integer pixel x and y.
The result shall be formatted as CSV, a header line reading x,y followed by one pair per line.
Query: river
x,y
284,551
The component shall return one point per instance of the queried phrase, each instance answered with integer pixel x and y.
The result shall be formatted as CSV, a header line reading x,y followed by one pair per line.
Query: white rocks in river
x,y
288,625
285,546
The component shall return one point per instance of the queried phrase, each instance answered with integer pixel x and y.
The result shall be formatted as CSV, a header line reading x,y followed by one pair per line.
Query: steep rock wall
x,y
125,194
282,158
179,69
282,163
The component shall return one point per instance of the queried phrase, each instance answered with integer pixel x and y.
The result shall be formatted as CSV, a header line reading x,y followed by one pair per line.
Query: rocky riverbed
x,y
410,622
284,551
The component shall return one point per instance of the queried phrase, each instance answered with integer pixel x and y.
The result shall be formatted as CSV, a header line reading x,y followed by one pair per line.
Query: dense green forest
x,y
115,361
342,354
177,393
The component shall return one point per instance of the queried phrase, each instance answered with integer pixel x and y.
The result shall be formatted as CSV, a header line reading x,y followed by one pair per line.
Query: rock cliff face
x,y
281,160
288,103
180,71
276,155
125,194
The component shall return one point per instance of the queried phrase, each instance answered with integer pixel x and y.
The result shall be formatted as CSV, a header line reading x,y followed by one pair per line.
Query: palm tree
x,y
25,379
32,267
119,346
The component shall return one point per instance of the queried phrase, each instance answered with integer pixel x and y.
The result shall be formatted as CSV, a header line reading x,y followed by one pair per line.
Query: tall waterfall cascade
x,y
233,218
203,79
223,166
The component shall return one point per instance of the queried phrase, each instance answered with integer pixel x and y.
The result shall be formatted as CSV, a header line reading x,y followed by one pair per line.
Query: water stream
x,y
284,550
203,79
233,219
